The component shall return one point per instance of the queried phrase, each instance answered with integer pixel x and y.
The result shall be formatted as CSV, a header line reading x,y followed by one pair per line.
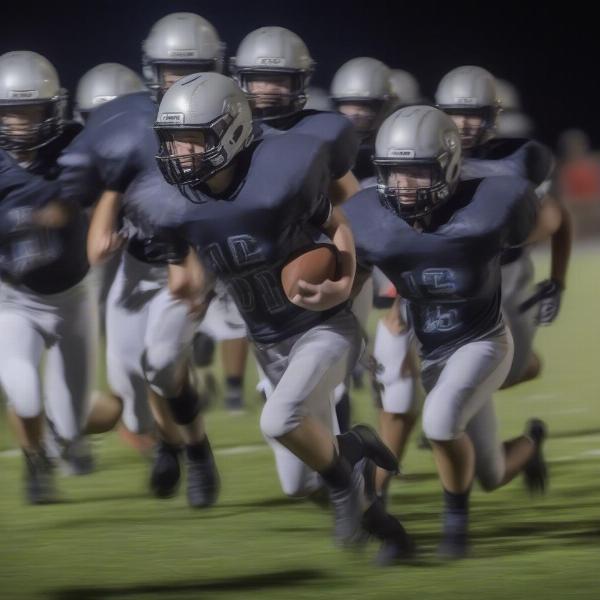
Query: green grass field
x,y
110,540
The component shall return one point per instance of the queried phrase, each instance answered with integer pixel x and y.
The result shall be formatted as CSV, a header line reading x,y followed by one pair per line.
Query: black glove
x,y
547,297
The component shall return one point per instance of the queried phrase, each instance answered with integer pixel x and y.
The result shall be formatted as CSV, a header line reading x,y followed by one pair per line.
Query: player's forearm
x,y
191,283
343,188
548,221
339,231
103,239
561,243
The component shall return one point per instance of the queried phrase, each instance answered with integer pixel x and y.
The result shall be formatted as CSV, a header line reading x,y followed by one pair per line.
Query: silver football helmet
x,y
184,43
512,121
273,66
104,83
206,110
468,94
405,87
361,91
417,143
32,102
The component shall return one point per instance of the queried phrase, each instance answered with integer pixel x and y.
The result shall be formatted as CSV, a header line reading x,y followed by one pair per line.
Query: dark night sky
x,y
549,53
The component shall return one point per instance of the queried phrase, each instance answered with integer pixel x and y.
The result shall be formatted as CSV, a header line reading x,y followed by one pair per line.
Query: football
x,y
313,266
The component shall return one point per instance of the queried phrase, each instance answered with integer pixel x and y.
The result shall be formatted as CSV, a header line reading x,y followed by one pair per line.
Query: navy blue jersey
x,y
114,152
331,128
275,207
47,261
449,273
523,158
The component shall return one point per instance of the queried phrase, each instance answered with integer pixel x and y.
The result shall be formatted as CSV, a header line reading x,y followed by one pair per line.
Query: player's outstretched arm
x,y
328,294
103,239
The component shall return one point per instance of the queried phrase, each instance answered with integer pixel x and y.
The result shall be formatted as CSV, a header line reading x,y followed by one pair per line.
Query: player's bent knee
x,y
19,380
439,426
275,422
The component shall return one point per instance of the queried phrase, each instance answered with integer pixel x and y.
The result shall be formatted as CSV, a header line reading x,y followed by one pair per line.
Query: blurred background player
x,y
362,91
511,122
99,85
274,67
45,301
420,225
148,331
469,95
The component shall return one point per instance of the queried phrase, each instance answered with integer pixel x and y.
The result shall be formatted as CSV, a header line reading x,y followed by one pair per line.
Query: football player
x,y
252,203
274,68
148,330
439,240
468,94
45,302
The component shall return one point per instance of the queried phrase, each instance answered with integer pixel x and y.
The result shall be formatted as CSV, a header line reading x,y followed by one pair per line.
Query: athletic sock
x,y
339,474
199,451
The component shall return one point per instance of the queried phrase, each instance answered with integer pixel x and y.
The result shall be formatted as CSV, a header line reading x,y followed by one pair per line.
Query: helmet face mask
x,y
411,189
29,125
273,94
190,156
417,160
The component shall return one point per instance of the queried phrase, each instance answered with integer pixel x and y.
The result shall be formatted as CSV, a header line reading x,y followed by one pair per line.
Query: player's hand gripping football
x,y
323,296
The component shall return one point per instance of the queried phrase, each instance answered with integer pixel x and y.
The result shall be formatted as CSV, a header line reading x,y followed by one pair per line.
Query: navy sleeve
x,y
376,231
539,162
20,193
337,132
506,205
116,144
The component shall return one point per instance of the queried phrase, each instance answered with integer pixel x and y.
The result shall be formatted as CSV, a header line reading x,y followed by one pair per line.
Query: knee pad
x,y
162,370
397,390
186,406
203,349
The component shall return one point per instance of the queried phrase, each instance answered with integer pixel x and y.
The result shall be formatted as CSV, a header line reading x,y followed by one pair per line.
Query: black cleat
x,y
39,479
166,470
347,504
455,541
374,448
536,471
77,457
397,546
203,482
